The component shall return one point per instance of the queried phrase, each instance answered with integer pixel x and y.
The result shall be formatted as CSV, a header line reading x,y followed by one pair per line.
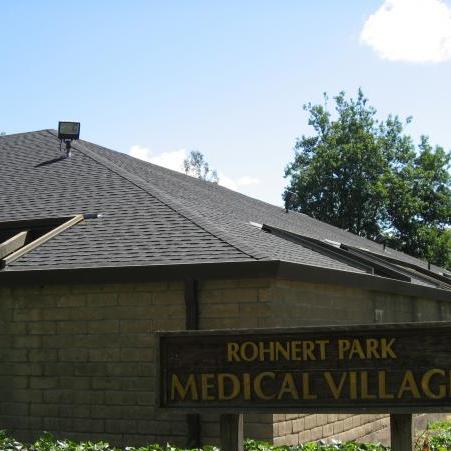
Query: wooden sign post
x,y
398,369
231,430
401,432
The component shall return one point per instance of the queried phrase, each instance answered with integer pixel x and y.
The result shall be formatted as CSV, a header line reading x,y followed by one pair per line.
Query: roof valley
x,y
172,203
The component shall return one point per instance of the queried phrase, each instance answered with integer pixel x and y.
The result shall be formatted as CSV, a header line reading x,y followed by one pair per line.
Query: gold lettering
x,y
372,346
258,385
232,352
425,384
284,351
296,350
322,348
247,386
356,348
408,384
382,385
288,386
269,349
306,394
252,347
206,386
386,350
336,390
234,392
307,348
343,346
183,391
353,385
364,386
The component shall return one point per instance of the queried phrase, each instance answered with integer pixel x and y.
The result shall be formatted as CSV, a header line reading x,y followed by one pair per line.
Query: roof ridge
x,y
295,212
8,135
172,203
194,179
197,180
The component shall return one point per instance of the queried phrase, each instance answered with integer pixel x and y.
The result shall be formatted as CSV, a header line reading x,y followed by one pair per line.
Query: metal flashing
x,y
320,247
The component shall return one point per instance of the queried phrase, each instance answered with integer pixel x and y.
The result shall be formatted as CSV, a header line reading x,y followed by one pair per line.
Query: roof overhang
x,y
231,270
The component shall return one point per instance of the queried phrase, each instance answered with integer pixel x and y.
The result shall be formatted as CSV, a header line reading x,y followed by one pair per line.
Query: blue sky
x,y
157,79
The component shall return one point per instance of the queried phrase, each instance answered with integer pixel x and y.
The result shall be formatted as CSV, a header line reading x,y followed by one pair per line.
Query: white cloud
x,y
236,184
174,160
171,160
416,31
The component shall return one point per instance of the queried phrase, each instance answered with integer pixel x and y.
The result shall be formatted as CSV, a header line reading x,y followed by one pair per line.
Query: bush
x,y
49,443
252,445
437,437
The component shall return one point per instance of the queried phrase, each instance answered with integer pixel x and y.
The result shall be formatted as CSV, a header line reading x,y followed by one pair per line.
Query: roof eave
x,y
227,270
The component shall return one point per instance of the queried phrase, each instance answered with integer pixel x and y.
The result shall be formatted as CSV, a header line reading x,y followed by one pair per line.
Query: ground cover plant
x,y
437,437
49,443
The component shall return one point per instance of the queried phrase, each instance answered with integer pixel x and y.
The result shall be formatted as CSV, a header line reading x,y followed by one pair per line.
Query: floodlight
x,y
68,130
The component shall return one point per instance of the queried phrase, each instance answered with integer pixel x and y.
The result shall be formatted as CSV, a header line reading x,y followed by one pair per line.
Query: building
x,y
99,250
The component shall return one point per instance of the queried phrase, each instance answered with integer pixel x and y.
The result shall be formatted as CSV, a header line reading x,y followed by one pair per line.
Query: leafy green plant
x,y
437,437
253,445
9,444
47,442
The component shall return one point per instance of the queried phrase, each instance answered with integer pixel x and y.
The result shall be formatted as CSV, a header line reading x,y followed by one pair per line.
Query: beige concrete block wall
x,y
79,360
293,429
256,426
315,304
296,429
225,304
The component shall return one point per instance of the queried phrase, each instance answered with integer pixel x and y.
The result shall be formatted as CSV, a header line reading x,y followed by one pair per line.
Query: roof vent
x,y
67,132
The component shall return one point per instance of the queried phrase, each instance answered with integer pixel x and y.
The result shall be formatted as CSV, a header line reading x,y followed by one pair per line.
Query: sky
x,y
158,79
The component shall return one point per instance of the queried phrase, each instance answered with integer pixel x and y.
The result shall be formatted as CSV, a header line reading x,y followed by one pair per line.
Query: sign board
x,y
398,368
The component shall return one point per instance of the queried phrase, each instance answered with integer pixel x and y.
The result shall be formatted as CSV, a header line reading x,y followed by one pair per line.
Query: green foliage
x,y
444,426
437,437
253,445
49,443
368,177
9,444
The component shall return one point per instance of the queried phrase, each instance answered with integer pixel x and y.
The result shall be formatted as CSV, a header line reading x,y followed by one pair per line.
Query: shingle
x,y
234,209
152,215
136,227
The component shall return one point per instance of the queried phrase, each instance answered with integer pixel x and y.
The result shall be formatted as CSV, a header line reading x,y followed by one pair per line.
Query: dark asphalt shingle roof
x,y
152,215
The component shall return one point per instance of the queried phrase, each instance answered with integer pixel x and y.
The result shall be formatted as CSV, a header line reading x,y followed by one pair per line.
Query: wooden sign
x,y
376,368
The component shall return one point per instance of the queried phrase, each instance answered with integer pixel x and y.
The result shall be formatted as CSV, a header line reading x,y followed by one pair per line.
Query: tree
x,y
196,166
368,177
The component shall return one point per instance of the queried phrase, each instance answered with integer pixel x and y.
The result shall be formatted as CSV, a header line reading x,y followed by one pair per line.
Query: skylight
x,y
370,262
